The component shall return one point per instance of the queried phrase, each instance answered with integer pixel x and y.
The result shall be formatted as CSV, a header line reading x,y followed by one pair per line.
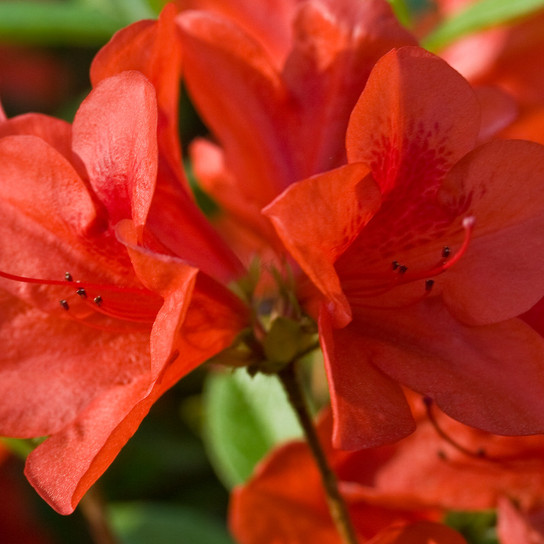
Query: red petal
x,y
154,49
515,526
250,111
336,44
489,377
283,502
500,275
268,21
499,110
415,119
424,532
318,218
178,224
369,408
115,135
44,187
55,132
46,375
64,467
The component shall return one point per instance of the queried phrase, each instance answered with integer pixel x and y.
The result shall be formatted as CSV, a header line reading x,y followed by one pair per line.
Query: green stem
x,y
337,506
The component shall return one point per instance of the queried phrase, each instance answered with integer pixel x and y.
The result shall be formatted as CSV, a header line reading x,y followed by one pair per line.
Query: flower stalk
x,y
289,378
93,509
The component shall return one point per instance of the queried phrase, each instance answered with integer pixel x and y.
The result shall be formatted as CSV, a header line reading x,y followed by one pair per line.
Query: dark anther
x,y
64,304
98,300
82,293
402,269
68,276
446,252
395,265
429,285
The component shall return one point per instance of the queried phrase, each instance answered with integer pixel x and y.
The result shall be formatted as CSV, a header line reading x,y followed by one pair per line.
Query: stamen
x,y
366,285
480,453
429,285
141,307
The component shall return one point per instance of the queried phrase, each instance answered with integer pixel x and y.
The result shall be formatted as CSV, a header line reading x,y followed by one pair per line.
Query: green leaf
x,y
57,23
142,523
476,527
480,16
244,418
402,12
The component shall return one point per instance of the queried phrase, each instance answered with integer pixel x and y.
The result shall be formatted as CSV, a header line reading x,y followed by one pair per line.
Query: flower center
x,y
364,289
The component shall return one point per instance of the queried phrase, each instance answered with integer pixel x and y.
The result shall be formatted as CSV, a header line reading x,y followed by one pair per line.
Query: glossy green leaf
x,y
480,16
143,523
244,418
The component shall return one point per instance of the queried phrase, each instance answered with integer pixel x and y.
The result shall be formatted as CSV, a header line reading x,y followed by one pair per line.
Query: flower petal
x,y
415,119
64,467
369,408
318,218
269,21
249,84
423,532
500,275
490,377
115,135
336,44
45,375
55,132
154,49
44,187
516,526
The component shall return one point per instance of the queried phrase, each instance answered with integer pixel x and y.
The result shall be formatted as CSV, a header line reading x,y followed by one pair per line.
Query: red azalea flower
x,y
133,318
424,249
284,501
447,465
278,118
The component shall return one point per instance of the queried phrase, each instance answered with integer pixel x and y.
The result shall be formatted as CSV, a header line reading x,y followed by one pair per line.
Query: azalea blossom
x,y
278,107
99,317
423,251
443,466
283,502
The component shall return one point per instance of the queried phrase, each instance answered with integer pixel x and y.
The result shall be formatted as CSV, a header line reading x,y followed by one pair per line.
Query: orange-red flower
x,y
284,501
443,466
133,317
278,116
424,249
